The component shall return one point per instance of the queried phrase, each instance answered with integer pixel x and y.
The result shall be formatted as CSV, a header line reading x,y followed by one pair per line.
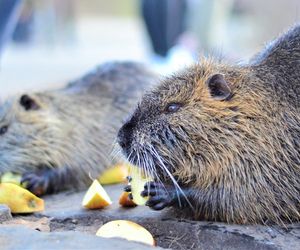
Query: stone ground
x,y
66,225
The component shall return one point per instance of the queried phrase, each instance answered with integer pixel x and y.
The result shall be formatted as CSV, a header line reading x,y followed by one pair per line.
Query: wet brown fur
x,y
239,158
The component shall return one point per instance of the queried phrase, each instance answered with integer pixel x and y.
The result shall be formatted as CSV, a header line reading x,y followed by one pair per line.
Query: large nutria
x,y
222,141
62,138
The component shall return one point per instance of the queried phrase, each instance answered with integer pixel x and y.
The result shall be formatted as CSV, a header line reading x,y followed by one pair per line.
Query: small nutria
x,y
59,139
223,142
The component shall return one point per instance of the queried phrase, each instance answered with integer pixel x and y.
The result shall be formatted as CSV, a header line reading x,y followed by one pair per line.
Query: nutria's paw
x,y
160,196
37,182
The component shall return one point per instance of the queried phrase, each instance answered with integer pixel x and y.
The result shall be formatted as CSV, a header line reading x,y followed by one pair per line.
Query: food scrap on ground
x,y
96,197
114,175
125,201
10,177
127,230
137,182
19,200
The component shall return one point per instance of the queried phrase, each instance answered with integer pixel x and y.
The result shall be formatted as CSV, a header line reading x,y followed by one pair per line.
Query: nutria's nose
x,y
125,136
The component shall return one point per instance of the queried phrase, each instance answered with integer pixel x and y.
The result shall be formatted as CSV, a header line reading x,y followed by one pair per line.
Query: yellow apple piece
x,y
125,201
10,177
19,200
96,197
127,230
114,175
138,181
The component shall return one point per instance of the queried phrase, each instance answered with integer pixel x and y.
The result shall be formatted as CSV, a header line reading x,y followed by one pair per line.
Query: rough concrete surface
x,y
17,237
64,214
5,214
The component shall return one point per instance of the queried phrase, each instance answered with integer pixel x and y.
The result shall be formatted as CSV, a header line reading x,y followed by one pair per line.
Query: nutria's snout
x,y
125,136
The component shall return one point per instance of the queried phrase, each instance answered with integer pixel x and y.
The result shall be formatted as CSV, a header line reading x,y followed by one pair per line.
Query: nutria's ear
x,y
28,103
218,87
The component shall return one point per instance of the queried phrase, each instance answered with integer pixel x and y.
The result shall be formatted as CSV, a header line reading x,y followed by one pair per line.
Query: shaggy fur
x,y
45,134
230,156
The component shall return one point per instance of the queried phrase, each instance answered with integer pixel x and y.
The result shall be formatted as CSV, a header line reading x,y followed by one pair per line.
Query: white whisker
x,y
176,185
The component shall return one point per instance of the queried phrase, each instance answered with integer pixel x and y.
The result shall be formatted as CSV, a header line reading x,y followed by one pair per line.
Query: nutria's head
x,y
30,134
218,129
187,122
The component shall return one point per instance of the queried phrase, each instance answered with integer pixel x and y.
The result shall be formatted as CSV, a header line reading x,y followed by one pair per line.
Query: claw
x,y
35,183
144,193
127,188
150,184
159,206
38,182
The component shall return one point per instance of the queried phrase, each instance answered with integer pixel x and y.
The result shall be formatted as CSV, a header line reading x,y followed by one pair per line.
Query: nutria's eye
x,y
28,103
173,107
3,130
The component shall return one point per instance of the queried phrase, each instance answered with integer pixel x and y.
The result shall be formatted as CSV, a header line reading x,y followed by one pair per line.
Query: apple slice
x,y
125,201
19,200
127,230
138,181
114,175
10,177
96,197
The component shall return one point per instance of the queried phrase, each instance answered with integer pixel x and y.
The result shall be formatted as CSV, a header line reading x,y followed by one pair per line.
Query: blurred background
x,y
44,44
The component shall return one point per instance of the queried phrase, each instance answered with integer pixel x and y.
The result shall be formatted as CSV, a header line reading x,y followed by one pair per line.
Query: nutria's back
x,y
278,67
228,135
73,128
